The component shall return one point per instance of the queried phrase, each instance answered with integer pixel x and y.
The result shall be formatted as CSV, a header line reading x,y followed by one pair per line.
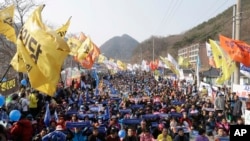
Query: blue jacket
x,y
55,136
79,136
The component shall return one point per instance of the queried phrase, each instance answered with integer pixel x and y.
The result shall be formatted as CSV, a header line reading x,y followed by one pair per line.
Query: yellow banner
x,y
6,23
9,86
43,52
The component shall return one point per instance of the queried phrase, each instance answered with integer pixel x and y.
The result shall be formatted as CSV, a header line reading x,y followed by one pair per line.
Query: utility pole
x,y
237,37
233,37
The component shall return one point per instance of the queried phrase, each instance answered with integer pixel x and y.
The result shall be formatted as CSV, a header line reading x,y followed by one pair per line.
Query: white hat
x,y
59,127
113,117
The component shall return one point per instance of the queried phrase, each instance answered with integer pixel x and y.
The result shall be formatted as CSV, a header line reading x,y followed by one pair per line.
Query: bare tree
x,y
22,8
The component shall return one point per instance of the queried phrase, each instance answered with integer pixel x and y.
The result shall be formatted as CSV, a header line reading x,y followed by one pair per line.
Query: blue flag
x,y
47,116
87,95
95,76
80,101
107,113
56,116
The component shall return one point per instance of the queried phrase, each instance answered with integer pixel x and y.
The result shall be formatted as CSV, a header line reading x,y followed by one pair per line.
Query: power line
x,y
205,35
208,9
219,7
168,11
174,12
214,10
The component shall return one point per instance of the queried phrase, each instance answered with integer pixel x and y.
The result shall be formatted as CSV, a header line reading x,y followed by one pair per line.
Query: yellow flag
x,y
74,45
84,49
111,60
222,61
17,63
6,23
63,30
43,52
121,65
156,75
217,55
171,66
183,62
101,58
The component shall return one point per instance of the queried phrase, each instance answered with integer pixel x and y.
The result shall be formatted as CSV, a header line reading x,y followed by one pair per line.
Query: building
x,y
192,52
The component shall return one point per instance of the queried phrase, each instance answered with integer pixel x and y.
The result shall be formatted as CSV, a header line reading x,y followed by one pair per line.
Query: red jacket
x,y
21,130
187,120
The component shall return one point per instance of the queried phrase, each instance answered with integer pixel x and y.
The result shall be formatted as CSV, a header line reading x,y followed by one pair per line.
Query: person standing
x,y
131,135
21,130
24,102
3,133
221,135
181,136
57,135
237,112
146,135
202,136
164,136
33,103
96,136
219,103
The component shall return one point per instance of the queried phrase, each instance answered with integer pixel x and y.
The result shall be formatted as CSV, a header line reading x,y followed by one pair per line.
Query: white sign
x,y
241,90
208,87
247,117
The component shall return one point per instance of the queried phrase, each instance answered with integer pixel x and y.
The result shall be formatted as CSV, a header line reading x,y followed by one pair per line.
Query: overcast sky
x,y
141,19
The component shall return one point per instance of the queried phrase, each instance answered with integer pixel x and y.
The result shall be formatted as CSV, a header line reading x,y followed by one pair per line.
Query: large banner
x,y
9,86
241,90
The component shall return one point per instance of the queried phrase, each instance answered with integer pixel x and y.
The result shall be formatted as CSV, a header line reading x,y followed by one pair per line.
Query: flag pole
x,y
5,72
236,78
198,71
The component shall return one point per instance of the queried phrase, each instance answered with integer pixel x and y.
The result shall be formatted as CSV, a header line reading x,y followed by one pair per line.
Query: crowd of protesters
x,y
145,108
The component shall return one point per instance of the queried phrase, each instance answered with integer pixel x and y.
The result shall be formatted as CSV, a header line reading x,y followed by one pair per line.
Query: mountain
x,y
211,29
119,47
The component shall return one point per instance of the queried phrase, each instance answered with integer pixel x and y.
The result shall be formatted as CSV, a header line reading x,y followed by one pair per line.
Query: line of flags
x,y
41,52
